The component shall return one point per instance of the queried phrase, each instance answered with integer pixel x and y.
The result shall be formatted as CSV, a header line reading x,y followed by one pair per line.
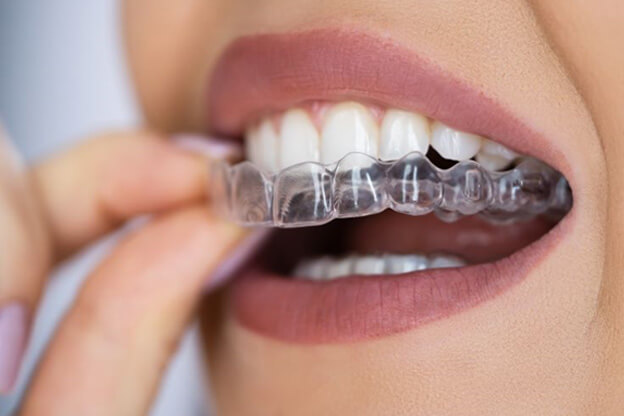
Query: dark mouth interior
x,y
471,238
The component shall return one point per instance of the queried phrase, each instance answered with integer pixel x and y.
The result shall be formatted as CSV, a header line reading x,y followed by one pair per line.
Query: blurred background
x,y
63,77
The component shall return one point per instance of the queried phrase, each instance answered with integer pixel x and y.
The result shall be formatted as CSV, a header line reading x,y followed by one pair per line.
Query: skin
x,y
552,345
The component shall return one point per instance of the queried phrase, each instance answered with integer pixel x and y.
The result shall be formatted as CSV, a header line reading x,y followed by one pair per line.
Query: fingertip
x,y
151,174
94,187
208,147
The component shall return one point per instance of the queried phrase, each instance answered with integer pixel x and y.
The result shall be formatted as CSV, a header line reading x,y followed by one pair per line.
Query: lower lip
x,y
363,307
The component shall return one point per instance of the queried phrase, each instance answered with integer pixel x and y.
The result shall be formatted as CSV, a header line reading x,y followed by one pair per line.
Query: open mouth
x,y
411,196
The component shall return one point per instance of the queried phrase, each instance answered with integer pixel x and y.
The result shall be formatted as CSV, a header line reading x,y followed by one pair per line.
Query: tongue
x,y
388,233
470,238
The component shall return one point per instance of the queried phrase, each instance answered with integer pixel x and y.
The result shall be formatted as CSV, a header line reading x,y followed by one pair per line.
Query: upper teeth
x,y
351,127
348,127
262,144
495,156
299,139
454,144
401,133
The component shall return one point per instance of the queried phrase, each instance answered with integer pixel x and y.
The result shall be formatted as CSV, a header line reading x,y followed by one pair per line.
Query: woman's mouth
x,y
414,196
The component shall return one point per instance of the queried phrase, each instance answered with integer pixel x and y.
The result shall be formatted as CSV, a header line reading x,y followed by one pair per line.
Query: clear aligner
x,y
358,185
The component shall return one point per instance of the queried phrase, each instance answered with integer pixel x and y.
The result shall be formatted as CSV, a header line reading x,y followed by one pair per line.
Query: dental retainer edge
x,y
358,185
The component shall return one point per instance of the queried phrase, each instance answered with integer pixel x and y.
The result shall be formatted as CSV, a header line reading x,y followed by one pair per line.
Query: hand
x,y
112,347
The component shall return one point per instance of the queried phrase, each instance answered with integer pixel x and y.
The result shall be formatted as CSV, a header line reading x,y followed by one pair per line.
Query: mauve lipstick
x,y
265,73
271,72
356,308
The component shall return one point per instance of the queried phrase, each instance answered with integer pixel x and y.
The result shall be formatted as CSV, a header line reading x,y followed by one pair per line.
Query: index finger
x,y
94,187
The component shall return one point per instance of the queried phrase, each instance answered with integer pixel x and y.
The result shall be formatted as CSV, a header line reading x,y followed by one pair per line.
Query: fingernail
x,y
13,336
237,258
208,146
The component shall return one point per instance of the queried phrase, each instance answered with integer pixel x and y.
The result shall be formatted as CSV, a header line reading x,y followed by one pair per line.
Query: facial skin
x,y
551,345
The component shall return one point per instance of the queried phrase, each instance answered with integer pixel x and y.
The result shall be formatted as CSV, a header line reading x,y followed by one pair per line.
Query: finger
x,y
111,349
94,187
24,259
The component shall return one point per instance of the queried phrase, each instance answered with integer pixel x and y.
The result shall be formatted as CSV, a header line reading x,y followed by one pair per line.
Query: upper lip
x,y
266,73
272,72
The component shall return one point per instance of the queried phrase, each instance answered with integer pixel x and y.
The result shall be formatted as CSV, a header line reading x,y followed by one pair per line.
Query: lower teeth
x,y
328,268
312,194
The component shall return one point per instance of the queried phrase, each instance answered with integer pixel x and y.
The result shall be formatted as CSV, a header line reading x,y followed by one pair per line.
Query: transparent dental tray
x,y
358,185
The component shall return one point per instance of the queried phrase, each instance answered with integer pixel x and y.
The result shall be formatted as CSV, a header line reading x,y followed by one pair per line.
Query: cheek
x,y
433,370
587,38
164,43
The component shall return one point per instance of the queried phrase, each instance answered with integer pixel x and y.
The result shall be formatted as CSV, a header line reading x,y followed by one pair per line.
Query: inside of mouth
x,y
413,196
392,243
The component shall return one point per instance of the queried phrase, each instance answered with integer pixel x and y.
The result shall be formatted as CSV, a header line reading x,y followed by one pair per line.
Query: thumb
x,y
110,351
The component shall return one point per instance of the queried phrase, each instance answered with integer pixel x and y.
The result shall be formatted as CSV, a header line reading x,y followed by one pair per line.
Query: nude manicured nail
x,y
208,146
13,336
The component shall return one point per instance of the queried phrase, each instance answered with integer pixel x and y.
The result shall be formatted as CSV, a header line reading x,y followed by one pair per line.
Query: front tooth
x,y
403,132
348,127
454,144
299,139
267,146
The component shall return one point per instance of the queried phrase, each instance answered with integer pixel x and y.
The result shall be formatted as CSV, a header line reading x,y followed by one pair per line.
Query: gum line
x,y
310,193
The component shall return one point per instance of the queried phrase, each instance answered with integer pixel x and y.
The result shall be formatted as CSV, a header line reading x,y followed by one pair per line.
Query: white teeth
x,y
368,265
496,149
491,162
267,149
348,127
401,133
454,144
315,270
299,139
326,268
337,268
442,262
495,156
252,143
405,264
